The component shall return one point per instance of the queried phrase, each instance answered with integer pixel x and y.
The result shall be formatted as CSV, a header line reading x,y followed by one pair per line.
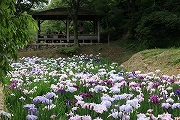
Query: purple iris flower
x,y
97,60
172,80
34,70
164,78
29,106
38,99
84,72
155,84
107,82
76,86
92,82
20,89
33,111
132,75
13,84
177,92
137,85
86,95
154,99
121,73
49,95
31,117
91,73
87,59
36,62
61,91
47,101
42,99
68,102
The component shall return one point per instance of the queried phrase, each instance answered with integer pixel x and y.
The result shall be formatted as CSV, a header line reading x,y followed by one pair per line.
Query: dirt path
x,y
1,98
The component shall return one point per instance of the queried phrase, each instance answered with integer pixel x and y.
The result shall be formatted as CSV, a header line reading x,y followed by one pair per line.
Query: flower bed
x,y
88,88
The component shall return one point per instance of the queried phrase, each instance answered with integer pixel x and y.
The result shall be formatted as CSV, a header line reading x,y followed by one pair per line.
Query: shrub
x,y
68,50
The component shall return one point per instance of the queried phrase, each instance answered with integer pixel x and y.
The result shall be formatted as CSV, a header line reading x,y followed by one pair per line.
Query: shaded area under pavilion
x,y
64,14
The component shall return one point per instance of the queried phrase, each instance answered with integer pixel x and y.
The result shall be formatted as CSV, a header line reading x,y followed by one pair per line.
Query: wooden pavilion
x,y
64,14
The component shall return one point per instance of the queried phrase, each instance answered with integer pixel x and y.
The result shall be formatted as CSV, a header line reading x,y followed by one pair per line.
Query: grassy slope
x,y
167,60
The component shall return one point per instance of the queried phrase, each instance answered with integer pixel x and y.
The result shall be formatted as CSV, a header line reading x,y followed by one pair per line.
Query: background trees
x,y
26,5
151,22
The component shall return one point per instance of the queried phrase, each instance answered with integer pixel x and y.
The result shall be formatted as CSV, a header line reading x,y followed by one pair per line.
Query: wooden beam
x,y
98,27
37,32
67,29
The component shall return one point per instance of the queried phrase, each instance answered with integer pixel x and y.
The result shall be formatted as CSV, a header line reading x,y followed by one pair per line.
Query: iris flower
x,y
31,117
177,92
154,99
49,95
42,99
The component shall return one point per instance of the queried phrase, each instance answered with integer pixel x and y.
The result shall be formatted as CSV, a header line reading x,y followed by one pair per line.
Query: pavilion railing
x,y
62,39
54,41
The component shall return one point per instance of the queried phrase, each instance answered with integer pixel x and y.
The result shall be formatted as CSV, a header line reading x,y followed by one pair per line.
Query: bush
x,y
68,50
159,29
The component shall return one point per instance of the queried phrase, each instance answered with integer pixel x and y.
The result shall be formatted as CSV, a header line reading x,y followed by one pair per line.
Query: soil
x,y
158,58
111,52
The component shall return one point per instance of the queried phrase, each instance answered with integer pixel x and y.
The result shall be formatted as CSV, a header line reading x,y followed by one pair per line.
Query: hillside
x,y
167,60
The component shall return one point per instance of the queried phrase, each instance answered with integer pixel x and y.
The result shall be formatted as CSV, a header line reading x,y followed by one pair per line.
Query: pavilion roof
x,y
64,13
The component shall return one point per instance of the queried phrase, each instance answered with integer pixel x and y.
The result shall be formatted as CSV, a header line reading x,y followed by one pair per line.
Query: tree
x,y
25,5
14,33
53,25
105,7
74,6
57,3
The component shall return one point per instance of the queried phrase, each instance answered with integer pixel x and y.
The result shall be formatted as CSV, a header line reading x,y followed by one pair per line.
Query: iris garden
x,y
87,87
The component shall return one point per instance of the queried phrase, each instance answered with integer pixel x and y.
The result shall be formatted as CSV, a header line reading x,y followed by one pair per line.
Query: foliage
x,y
68,50
57,3
159,29
22,6
14,33
51,26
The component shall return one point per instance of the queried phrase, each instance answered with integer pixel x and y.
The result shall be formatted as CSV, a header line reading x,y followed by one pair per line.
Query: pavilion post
x,y
95,27
67,29
38,30
98,27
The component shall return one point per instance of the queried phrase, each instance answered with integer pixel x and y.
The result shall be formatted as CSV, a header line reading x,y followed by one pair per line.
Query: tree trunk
x,y
108,35
75,7
76,42
131,10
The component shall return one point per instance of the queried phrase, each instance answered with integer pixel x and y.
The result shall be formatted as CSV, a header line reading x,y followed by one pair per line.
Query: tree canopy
x,y
26,5
15,24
